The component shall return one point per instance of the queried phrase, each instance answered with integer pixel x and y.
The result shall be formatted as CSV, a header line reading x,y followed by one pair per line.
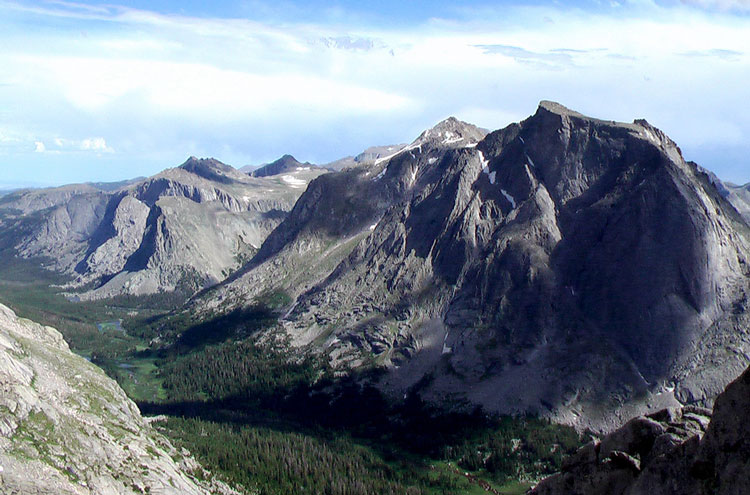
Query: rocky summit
x,y
68,429
565,266
285,164
680,450
183,229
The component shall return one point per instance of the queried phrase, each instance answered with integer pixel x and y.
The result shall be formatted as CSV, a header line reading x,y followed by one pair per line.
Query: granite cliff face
x,y
66,428
681,450
185,228
563,266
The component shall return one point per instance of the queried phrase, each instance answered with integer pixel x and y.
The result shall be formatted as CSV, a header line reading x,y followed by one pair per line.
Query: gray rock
x,y
579,269
712,460
66,428
185,228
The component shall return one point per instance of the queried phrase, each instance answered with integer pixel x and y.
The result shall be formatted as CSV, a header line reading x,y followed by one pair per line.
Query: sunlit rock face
x,y
184,229
66,428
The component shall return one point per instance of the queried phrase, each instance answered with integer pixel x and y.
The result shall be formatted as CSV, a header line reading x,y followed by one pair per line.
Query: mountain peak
x,y
451,131
286,163
554,107
209,168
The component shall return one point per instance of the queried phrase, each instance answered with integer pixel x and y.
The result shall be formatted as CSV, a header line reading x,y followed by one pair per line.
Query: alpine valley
x,y
461,314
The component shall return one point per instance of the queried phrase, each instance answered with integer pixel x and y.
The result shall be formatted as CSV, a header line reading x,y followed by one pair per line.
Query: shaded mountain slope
x,y
563,266
334,214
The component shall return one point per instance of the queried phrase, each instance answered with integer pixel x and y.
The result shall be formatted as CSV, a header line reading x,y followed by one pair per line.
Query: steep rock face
x,y
187,227
671,451
563,266
66,428
335,213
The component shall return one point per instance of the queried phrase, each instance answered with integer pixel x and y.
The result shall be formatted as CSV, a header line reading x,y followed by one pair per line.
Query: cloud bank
x,y
108,92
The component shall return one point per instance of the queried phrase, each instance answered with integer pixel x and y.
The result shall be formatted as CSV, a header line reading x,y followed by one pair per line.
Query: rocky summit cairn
x,y
674,451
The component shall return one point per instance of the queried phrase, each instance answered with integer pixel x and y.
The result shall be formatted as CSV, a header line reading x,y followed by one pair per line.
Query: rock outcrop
x,y
66,428
564,266
184,229
682,450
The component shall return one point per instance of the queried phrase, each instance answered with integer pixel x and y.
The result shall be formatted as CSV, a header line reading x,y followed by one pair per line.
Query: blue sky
x,y
107,91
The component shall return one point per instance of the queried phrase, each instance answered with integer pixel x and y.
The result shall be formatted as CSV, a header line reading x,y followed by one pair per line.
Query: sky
x,y
108,91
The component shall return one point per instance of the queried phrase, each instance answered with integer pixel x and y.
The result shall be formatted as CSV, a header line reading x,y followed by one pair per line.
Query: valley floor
x,y
271,426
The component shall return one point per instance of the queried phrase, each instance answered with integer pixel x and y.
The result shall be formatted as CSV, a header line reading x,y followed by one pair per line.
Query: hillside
x,y
66,428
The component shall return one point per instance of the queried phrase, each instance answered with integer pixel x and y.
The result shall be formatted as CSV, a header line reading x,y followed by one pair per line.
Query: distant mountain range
x,y
183,229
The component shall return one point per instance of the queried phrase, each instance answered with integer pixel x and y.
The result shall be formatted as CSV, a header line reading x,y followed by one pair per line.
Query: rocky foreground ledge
x,y
685,450
66,428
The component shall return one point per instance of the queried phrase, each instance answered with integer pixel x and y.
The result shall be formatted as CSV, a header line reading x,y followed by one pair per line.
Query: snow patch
x,y
372,227
485,162
472,145
453,140
486,167
531,162
302,168
521,139
446,349
293,181
431,160
509,198
380,175
412,146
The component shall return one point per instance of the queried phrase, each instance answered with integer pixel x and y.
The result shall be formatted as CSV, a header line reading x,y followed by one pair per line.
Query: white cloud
x,y
39,147
95,144
151,82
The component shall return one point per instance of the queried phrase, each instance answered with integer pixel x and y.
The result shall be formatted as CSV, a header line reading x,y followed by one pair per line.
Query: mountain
x,y
739,196
66,428
680,450
182,229
369,155
284,165
575,268
336,212
113,186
